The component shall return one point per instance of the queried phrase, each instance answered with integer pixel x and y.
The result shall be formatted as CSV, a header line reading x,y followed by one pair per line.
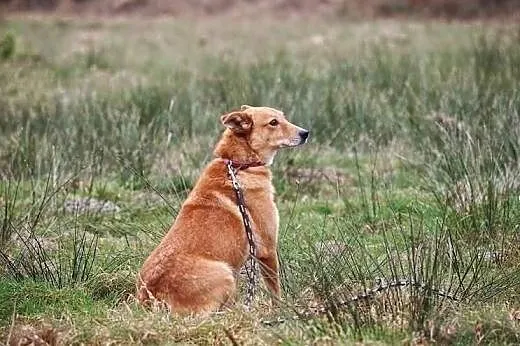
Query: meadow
x,y
411,174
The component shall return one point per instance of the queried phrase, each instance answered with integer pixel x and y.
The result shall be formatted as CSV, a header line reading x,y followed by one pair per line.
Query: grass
x,y
411,174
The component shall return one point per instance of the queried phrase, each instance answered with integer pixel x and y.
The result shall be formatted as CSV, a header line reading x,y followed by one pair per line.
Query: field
x,y
411,174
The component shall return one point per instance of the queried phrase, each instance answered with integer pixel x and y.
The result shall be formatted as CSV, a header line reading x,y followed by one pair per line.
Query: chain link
x,y
251,264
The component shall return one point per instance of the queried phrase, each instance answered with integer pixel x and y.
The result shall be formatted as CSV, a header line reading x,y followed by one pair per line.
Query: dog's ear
x,y
244,107
239,122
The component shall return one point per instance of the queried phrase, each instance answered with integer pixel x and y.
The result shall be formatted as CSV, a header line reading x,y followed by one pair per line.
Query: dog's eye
x,y
273,122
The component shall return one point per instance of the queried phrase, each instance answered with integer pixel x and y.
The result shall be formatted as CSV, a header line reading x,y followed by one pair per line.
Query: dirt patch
x,y
464,9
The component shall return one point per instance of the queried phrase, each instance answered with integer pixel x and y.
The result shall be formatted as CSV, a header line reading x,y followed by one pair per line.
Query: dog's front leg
x,y
269,269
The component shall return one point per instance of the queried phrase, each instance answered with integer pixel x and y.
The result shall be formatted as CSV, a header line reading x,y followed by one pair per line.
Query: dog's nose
x,y
304,134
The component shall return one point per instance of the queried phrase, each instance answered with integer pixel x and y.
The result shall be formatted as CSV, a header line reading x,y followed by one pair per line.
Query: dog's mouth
x,y
303,136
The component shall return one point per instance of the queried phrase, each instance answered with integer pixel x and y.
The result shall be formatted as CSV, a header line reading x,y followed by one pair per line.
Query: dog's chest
x,y
263,211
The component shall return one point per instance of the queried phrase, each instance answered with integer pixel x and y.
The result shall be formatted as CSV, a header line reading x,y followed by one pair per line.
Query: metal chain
x,y
341,304
251,264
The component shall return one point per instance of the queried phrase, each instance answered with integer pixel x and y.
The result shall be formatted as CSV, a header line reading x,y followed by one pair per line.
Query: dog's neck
x,y
237,149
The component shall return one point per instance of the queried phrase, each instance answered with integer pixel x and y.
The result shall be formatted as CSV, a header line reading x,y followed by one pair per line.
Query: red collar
x,y
243,165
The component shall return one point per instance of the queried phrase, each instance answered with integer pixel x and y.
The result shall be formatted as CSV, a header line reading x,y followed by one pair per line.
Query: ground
x,y
411,174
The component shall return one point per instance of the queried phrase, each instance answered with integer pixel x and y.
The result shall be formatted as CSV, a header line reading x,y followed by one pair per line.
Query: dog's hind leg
x,y
269,268
205,287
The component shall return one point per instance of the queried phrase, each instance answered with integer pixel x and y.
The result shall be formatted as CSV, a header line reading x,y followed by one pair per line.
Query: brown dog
x,y
194,268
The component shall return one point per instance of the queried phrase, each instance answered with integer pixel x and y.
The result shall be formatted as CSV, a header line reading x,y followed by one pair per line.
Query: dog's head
x,y
265,129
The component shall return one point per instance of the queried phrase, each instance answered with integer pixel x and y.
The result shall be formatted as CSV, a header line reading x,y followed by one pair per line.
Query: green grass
x,y
411,172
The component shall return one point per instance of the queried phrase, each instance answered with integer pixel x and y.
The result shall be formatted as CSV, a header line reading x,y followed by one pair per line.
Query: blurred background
x,y
461,9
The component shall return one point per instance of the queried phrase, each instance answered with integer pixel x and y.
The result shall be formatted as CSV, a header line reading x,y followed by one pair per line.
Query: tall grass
x,y
344,103
45,242
422,269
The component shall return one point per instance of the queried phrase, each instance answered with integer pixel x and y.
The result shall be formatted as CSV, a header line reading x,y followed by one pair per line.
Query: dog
x,y
195,267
